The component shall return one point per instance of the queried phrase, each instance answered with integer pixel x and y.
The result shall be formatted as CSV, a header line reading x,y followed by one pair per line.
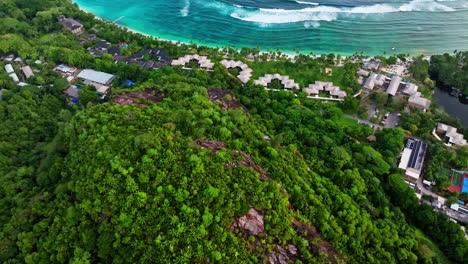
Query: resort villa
x,y
287,83
374,80
245,72
412,159
72,25
203,61
313,90
449,135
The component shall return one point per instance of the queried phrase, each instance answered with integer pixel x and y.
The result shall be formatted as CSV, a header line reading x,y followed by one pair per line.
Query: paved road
x,y
392,120
449,212
360,120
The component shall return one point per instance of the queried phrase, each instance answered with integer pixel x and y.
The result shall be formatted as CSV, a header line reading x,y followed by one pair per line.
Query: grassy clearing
x,y
347,122
444,173
456,178
303,74
428,249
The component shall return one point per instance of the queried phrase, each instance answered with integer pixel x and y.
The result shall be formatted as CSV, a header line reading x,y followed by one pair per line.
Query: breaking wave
x,y
307,3
185,10
331,13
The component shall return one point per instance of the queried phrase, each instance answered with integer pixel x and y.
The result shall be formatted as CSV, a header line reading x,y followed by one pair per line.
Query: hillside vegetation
x,y
161,172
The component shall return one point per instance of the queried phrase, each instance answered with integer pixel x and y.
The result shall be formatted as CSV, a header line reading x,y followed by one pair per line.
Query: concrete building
x,y
96,76
394,84
450,135
412,159
9,68
14,77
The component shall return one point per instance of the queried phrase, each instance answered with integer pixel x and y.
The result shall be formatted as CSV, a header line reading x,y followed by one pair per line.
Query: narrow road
x,y
449,212
375,126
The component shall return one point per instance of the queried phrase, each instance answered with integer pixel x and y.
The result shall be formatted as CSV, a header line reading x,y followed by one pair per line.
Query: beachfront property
x,y
371,64
412,159
203,61
396,69
100,80
449,135
245,71
394,85
287,83
71,24
313,90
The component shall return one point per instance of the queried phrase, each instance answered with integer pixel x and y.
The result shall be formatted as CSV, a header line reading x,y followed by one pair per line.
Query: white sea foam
x,y
185,10
330,13
314,24
307,3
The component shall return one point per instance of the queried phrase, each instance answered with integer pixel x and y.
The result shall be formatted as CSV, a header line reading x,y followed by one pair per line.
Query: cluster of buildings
x,y
100,80
315,89
449,135
148,58
26,71
203,61
288,84
245,71
395,85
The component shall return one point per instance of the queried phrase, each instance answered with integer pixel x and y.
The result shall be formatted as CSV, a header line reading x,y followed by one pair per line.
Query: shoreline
x,y
289,53
262,51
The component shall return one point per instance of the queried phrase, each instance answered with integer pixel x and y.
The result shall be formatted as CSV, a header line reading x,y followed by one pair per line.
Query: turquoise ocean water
x,y
319,26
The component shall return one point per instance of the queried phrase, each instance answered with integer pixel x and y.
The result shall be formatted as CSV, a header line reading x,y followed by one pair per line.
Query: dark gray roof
x,y
115,50
103,44
71,23
417,155
120,58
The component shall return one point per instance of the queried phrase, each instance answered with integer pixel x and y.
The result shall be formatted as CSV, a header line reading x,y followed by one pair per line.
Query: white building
x,y
412,159
9,68
451,136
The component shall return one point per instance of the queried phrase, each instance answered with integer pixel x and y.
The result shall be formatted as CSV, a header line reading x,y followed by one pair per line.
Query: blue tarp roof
x,y
465,185
128,83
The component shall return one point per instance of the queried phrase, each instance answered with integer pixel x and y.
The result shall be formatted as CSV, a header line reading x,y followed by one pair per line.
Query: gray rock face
x,y
252,222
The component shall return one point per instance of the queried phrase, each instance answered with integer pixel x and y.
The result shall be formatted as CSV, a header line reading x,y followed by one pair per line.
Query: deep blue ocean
x,y
319,26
